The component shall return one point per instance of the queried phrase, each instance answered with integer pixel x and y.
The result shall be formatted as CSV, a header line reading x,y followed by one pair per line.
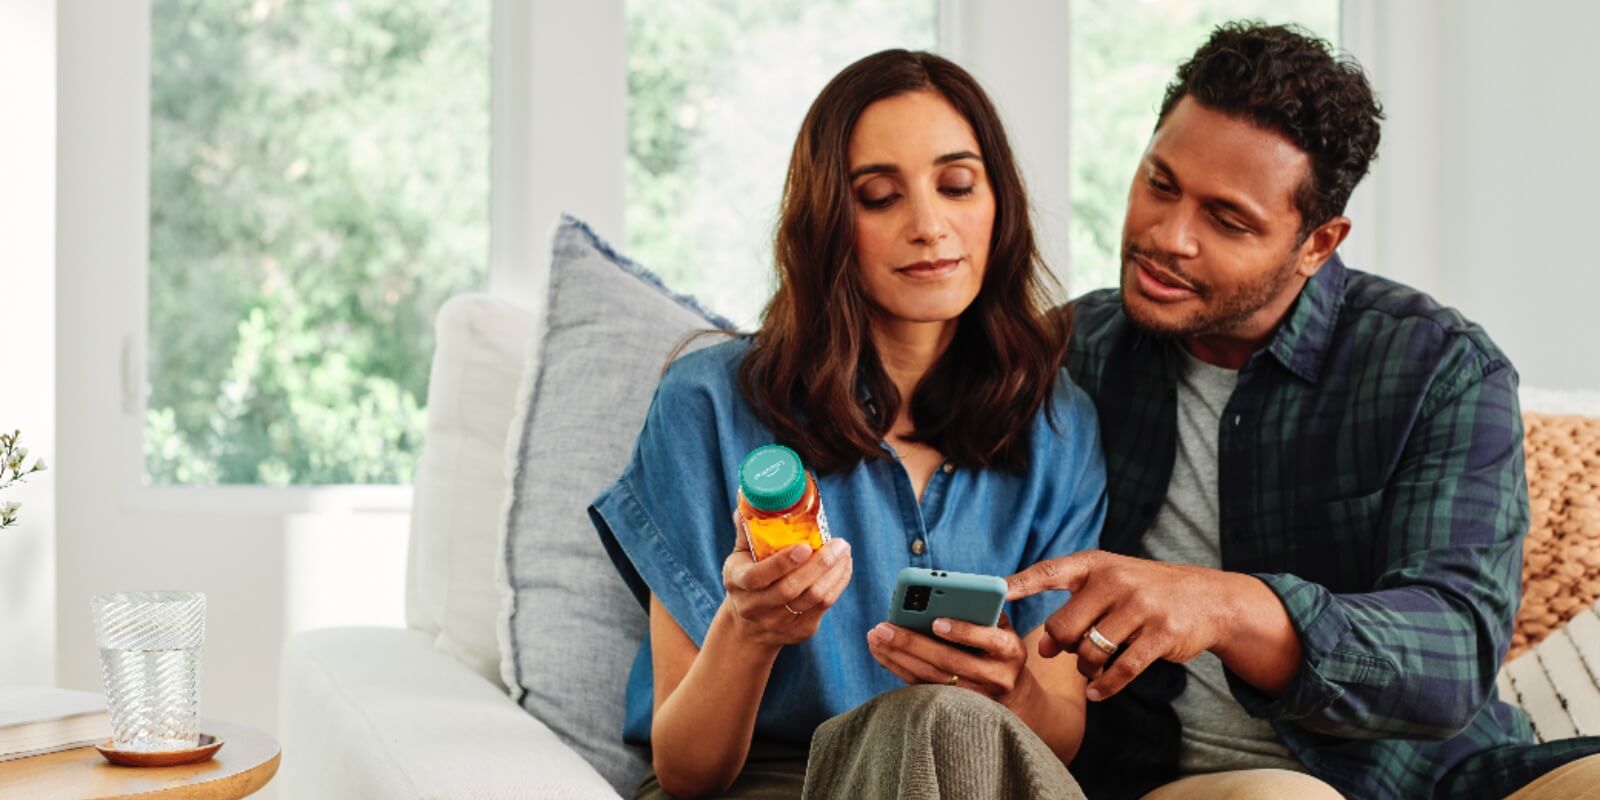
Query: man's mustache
x,y
1166,261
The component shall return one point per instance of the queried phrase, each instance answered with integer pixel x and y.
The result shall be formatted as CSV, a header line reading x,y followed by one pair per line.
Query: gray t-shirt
x,y
1217,732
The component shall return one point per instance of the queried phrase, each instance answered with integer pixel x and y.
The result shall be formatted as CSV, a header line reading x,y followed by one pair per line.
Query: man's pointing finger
x,y
1067,572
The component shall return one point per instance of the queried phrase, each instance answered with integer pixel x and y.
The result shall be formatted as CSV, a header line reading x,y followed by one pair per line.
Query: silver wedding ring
x,y
792,611
1099,640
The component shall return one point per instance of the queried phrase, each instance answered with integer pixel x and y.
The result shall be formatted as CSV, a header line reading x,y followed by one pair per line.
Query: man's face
x,y
1210,245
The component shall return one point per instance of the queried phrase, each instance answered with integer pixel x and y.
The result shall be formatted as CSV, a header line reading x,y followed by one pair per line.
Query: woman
x,y
906,358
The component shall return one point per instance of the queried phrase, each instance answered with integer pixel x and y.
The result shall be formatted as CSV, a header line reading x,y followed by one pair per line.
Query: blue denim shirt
x,y
667,523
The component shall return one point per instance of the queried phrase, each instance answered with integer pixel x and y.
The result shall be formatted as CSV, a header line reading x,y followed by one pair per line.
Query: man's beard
x,y
1222,311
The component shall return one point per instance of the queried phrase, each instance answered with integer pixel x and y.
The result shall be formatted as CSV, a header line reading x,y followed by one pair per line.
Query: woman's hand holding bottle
x,y
780,599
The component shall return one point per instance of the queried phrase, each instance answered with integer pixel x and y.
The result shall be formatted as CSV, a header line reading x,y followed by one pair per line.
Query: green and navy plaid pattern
x,y
1370,472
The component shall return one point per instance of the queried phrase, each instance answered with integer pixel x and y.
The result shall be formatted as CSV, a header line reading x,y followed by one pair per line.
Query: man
x,y
1313,550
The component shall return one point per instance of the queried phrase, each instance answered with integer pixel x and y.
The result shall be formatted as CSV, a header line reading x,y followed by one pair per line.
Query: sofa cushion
x,y
571,625
381,713
460,486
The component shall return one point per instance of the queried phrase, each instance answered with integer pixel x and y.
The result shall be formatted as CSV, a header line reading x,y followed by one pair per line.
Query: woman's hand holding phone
x,y
996,669
780,599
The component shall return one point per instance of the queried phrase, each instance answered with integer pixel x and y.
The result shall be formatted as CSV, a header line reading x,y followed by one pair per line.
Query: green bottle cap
x,y
772,478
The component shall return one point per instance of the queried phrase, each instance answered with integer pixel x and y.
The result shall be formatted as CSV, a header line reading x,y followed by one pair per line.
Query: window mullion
x,y
559,118
1021,58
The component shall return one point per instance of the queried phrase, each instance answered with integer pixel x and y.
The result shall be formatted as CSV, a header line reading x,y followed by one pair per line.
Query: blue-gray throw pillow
x,y
571,626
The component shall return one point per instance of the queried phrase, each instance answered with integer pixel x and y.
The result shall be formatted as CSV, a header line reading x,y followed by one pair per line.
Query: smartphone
x,y
924,595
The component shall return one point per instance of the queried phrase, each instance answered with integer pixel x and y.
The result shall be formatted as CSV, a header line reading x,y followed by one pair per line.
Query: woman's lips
x,y
930,269
1160,286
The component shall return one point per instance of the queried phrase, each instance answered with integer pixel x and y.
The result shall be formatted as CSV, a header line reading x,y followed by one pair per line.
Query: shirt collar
x,y
1301,342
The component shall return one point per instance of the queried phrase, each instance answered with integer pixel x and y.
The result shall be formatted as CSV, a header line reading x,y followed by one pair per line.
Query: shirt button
x,y
948,468
1237,418
918,548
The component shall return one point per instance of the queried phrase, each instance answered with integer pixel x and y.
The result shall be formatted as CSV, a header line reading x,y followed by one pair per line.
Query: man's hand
x,y
1151,610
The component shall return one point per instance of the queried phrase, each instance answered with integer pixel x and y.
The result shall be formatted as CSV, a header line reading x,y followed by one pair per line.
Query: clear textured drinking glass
x,y
150,659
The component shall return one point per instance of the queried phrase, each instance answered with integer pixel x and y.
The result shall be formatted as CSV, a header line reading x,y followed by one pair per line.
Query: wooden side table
x,y
247,760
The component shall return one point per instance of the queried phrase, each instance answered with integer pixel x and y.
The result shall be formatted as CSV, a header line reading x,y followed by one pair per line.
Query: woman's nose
x,y
927,223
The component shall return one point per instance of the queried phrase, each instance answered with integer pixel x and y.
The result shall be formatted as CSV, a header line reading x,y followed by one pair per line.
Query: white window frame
x,y
557,143
1358,35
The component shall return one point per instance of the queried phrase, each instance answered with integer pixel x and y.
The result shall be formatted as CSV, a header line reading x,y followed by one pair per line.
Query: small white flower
x,y
9,508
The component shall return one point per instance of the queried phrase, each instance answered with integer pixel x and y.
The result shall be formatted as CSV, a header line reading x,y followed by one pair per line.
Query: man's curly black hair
x,y
1285,80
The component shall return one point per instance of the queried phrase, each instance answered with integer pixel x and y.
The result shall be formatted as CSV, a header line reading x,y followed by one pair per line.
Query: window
x,y
716,93
1123,55
318,186
319,179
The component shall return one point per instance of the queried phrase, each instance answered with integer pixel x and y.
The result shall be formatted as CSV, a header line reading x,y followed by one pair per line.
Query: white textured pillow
x,y
460,483
1583,402
571,625
1558,681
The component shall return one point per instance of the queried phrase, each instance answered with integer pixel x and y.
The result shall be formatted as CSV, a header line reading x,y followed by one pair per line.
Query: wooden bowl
x,y
207,747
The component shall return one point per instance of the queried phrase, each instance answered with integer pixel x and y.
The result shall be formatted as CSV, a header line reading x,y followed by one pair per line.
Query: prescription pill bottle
x,y
779,502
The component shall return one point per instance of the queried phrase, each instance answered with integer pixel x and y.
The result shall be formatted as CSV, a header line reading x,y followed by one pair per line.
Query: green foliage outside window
x,y
716,93
1123,55
318,187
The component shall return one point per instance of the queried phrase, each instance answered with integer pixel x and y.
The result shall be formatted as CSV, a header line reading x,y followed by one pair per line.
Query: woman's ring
x,y
955,679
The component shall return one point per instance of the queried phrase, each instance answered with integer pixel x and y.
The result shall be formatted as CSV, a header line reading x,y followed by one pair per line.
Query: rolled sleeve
x,y
650,564
666,523
1323,630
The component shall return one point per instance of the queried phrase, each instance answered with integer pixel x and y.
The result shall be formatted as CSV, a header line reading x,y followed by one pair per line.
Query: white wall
x,y
271,563
27,332
1487,185
1521,181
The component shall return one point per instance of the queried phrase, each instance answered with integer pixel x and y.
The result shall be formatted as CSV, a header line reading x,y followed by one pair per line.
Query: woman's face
x,y
924,209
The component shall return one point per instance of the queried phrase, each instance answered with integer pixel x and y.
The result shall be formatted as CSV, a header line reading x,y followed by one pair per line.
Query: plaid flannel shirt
x,y
1371,473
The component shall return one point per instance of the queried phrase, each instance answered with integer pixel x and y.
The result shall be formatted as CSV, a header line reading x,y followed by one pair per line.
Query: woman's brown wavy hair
x,y
813,354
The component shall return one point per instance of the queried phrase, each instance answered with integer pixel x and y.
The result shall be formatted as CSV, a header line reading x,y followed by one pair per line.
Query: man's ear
x,y
1319,246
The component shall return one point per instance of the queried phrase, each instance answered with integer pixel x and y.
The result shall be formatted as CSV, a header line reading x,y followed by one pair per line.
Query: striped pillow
x,y
1558,681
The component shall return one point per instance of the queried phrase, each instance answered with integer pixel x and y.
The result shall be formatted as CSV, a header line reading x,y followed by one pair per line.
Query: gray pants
x,y
917,743
772,771
933,742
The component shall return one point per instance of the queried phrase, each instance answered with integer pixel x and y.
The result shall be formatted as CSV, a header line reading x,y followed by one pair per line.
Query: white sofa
x,y
424,713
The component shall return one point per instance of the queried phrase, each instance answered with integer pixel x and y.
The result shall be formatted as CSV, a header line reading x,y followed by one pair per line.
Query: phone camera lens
x,y
917,598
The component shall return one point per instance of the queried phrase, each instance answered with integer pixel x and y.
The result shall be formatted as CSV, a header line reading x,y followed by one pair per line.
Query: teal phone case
x,y
953,595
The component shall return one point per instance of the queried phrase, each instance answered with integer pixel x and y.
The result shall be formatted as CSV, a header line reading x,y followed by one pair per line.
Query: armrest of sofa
x,y
380,713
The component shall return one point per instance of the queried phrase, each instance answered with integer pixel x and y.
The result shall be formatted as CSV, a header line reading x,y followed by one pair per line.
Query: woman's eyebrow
x,y
880,169
959,155
874,169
